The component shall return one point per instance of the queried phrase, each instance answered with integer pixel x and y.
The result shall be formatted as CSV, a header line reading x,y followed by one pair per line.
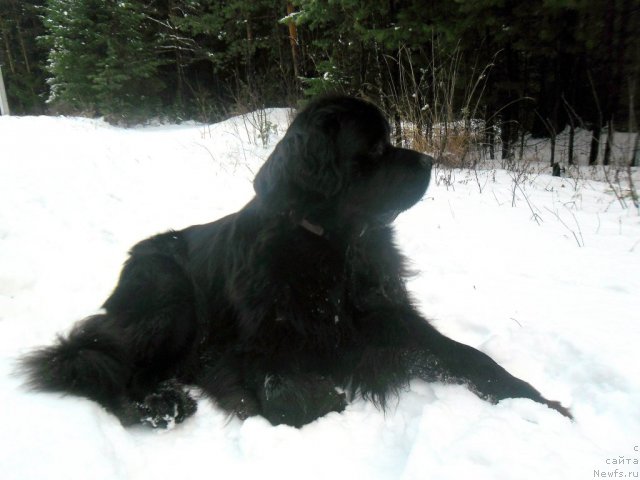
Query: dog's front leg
x,y
399,344
446,360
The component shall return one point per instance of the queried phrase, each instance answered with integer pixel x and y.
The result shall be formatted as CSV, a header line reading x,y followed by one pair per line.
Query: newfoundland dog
x,y
289,308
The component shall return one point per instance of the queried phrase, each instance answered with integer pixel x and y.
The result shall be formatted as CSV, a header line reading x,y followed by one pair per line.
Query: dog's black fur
x,y
284,309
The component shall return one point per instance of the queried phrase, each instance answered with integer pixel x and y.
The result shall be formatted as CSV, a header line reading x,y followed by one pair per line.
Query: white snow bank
x,y
553,299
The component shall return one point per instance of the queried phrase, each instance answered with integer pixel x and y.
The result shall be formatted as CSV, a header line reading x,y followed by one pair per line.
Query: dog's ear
x,y
304,167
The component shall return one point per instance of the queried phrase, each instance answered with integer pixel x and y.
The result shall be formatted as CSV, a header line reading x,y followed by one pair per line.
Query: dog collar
x,y
315,229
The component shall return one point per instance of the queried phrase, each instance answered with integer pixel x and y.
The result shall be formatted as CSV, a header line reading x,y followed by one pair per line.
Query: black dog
x,y
284,309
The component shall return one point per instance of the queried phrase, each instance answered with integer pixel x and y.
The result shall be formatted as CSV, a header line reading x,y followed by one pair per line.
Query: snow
x,y
553,297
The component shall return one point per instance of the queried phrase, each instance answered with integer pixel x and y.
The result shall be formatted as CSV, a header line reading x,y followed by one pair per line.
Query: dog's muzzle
x,y
388,217
426,161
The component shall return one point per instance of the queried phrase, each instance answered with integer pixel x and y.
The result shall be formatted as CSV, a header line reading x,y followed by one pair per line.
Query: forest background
x,y
450,74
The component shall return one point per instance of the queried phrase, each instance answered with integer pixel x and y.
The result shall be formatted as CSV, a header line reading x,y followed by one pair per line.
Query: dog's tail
x,y
88,362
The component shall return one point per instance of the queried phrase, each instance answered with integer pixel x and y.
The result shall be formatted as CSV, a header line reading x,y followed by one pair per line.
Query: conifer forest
x,y
496,68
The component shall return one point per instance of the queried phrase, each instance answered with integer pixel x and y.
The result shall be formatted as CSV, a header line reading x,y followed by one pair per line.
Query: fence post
x,y
4,103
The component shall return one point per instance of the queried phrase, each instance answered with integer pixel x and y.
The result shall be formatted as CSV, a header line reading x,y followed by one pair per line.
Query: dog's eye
x,y
378,149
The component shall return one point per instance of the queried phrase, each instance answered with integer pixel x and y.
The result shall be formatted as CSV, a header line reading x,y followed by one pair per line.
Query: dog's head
x,y
336,168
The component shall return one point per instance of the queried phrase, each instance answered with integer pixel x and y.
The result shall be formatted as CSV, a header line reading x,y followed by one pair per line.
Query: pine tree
x,y
102,58
22,57
240,40
126,80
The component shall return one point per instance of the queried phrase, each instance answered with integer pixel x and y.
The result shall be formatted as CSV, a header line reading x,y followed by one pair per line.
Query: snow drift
x,y
544,278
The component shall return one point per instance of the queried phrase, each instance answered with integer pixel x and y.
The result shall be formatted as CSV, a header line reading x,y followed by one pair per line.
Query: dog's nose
x,y
426,161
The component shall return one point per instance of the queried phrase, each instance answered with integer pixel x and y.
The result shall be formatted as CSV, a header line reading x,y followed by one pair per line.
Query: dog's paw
x,y
557,406
340,403
299,399
246,407
166,407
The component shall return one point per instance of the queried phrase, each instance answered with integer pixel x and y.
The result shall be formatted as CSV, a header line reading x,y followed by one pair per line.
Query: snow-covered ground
x,y
544,278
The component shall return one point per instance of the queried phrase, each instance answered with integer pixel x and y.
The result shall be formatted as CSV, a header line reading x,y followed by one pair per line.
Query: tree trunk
x,y
507,150
293,41
635,156
23,47
179,75
491,139
249,57
551,127
572,135
428,130
553,147
177,59
7,48
4,102
608,145
633,126
398,128
595,144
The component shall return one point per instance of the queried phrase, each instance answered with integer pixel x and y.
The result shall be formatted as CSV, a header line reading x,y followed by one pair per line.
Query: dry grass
x,y
452,148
